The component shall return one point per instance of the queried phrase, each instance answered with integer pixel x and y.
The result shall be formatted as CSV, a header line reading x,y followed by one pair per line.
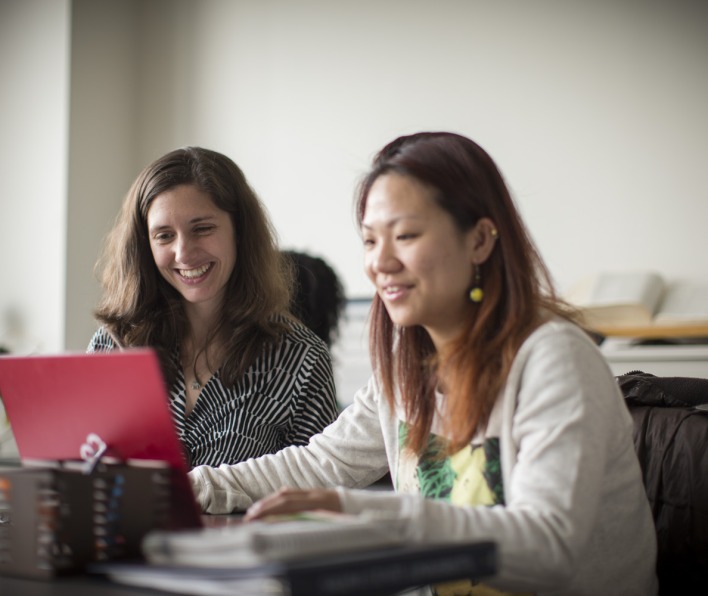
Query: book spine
x,y
386,572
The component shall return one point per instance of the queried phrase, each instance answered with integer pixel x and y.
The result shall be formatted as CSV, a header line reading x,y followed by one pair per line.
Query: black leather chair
x,y
671,438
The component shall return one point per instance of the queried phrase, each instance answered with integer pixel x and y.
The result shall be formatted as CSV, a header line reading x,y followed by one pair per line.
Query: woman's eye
x,y
162,237
406,236
203,229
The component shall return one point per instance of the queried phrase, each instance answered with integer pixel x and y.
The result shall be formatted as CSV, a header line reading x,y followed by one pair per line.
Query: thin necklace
x,y
196,383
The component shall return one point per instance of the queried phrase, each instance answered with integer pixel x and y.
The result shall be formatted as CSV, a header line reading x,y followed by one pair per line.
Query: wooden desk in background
x,y
656,331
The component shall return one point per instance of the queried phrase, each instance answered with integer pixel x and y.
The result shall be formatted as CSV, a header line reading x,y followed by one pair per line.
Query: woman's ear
x,y
483,237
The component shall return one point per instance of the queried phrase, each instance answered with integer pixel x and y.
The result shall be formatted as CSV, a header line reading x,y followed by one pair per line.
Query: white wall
x,y
595,111
34,94
104,138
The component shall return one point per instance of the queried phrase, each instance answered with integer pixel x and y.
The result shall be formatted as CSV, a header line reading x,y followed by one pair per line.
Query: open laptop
x,y
108,404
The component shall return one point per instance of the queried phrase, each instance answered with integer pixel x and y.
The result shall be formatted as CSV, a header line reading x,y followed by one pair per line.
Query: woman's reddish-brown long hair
x,y
517,292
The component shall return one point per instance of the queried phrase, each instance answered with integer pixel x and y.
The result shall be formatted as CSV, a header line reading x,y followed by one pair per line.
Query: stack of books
x,y
314,554
642,304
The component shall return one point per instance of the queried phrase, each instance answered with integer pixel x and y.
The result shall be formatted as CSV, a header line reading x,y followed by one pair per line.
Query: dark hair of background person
x,y
517,288
141,309
318,297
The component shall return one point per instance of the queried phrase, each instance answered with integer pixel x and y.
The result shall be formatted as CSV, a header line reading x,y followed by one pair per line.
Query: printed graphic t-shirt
x,y
470,477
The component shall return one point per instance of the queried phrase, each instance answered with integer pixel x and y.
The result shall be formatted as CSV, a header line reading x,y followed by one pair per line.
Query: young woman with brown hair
x,y
192,270
495,414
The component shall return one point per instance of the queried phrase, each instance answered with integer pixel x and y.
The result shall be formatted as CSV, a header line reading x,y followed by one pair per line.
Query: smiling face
x,y
193,244
419,261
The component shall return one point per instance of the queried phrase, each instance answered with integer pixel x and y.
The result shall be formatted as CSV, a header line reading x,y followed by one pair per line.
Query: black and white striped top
x,y
285,397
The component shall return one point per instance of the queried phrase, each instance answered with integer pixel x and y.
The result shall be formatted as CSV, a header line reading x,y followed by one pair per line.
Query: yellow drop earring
x,y
476,293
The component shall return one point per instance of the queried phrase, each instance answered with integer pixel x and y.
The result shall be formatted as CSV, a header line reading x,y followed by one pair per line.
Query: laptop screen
x,y
55,402
66,406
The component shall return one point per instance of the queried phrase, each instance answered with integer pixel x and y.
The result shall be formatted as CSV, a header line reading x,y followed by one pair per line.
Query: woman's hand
x,y
293,500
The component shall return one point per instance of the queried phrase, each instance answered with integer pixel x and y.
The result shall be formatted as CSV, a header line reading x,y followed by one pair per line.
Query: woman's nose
x,y
384,258
183,249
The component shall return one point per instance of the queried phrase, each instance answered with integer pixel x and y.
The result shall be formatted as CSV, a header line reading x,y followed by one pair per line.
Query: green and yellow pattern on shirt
x,y
472,476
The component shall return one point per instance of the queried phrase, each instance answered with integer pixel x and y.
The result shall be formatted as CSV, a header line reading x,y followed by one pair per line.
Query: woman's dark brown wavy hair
x,y
518,290
140,308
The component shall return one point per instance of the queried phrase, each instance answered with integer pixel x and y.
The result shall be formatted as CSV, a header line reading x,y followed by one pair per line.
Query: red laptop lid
x,y
55,403
67,406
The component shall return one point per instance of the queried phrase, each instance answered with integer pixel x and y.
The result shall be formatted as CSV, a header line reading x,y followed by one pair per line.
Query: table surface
x,y
331,574
75,585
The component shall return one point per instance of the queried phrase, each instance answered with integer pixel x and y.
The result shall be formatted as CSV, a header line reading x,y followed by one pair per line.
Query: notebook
x,y
84,406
